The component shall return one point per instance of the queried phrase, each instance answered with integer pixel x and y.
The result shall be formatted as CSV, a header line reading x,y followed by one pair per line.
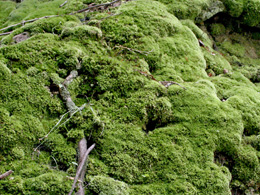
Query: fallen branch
x,y
6,33
169,83
134,50
6,174
63,3
65,94
80,168
73,74
146,74
104,5
164,83
82,150
28,21
102,19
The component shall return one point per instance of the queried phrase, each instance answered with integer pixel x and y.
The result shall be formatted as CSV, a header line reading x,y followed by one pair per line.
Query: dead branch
x,y
169,83
63,3
80,168
73,74
6,33
65,94
134,50
206,47
6,174
28,21
146,74
102,6
82,150
102,19
115,3
164,83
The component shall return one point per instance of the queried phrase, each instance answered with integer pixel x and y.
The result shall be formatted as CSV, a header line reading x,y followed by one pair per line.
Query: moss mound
x,y
172,105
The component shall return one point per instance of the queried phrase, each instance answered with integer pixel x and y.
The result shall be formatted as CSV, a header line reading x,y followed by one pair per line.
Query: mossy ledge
x,y
199,136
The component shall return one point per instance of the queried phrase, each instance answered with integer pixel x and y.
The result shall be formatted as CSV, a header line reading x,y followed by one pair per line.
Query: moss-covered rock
x,y
198,135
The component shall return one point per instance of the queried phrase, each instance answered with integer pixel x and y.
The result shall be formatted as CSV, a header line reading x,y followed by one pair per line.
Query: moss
x,y
29,9
217,29
234,49
149,139
216,62
185,10
234,7
251,9
82,32
5,71
200,34
105,185
7,7
211,10
18,153
49,183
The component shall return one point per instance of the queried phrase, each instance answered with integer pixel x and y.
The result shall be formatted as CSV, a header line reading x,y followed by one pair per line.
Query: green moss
x,y
217,29
105,185
203,36
216,62
234,7
5,72
234,49
6,8
149,139
251,16
186,10
82,32
253,140
29,9
49,183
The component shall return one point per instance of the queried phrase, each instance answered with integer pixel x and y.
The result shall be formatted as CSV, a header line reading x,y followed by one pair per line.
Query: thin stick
x,y
63,4
169,83
80,167
27,21
54,126
6,174
72,13
134,50
92,7
6,33
82,150
78,109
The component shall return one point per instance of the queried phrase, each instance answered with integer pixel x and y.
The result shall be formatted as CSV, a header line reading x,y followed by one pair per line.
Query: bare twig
x,y
80,168
104,5
164,83
6,33
63,3
82,150
102,19
54,127
115,3
134,50
28,21
55,162
58,124
6,174
169,83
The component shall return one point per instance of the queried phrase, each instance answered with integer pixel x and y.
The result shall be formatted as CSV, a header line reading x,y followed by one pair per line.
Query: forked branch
x,y
80,168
